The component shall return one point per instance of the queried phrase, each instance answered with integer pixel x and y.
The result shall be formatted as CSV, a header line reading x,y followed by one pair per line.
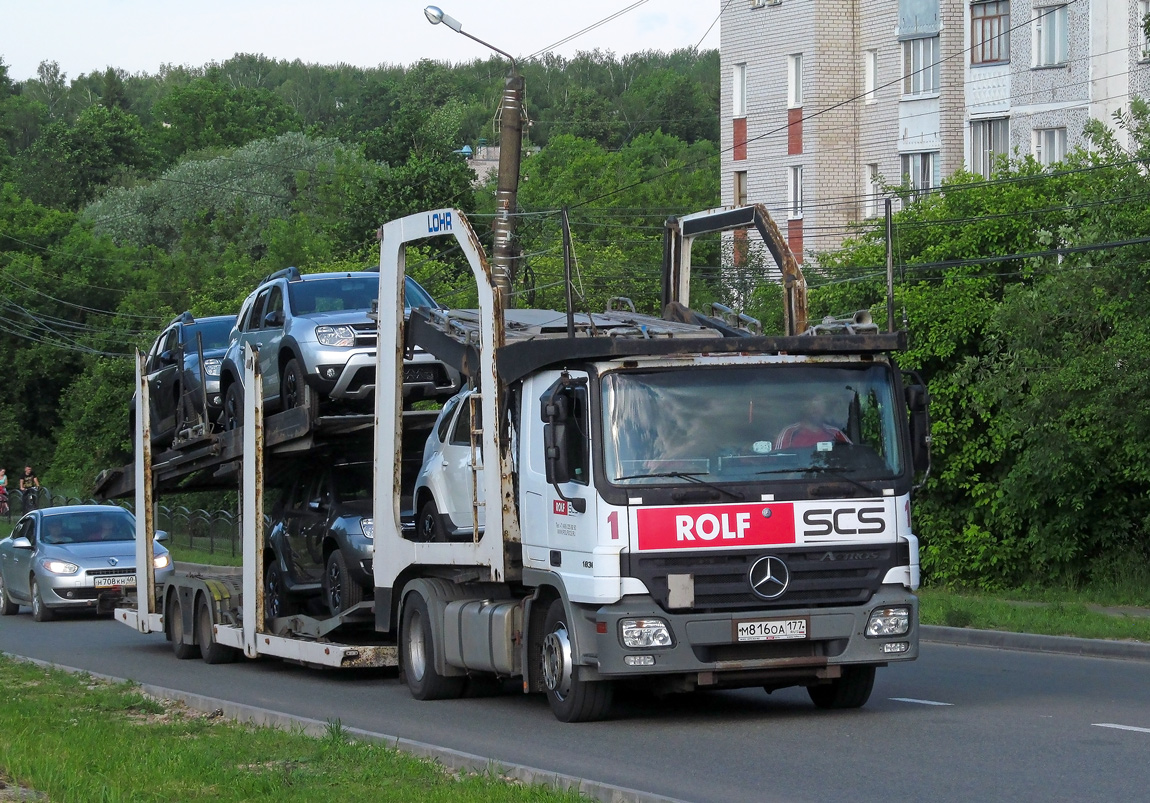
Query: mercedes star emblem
x,y
769,577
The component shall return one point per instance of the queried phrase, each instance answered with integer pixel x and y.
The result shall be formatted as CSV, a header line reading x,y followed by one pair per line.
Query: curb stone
x,y
1065,645
447,757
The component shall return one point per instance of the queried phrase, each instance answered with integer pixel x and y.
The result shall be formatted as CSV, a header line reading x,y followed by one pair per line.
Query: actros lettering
x,y
844,521
708,526
439,222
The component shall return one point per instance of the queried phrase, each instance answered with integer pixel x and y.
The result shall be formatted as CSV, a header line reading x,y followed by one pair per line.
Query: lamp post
x,y
510,145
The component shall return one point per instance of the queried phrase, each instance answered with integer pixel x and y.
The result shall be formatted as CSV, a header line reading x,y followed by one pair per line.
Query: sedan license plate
x,y
771,629
122,580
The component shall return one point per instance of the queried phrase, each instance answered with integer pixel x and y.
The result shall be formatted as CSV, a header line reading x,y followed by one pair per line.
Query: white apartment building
x,y
824,102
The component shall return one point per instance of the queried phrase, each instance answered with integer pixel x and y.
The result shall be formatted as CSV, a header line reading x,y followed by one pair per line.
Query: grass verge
x,y
72,737
188,554
1056,618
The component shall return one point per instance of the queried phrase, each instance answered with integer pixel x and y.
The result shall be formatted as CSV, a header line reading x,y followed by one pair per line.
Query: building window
x,y
1143,11
739,91
870,74
740,188
795,80
990,32
873,192
795,193
920,172
1049,145
920,66
989,139
1049,36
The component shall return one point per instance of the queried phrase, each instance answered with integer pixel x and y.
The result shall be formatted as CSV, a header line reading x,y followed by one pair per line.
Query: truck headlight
x,y
335,335
640,633
161,561
212,367
59,566
888,622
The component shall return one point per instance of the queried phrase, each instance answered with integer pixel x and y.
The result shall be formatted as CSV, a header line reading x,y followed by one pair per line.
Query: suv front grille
x,y
819,577
365,334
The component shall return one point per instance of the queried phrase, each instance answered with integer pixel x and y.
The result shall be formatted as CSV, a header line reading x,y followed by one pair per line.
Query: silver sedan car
x,y
65,558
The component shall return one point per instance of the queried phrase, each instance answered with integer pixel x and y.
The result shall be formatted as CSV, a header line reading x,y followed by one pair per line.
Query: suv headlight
x,y
368,527
335,335
640,633
59,566
212,367
888,622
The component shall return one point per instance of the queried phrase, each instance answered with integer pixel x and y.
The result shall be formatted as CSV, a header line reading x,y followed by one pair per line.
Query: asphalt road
x,y
961,723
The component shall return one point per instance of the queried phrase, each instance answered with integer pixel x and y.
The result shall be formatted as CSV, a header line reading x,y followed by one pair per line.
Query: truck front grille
x,y
819,577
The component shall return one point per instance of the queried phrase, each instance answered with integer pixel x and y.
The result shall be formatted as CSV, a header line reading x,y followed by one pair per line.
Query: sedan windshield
x,y
750,423
83,528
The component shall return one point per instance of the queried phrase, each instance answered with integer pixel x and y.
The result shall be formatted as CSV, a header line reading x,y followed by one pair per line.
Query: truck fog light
x,y
639,660
888,622
895,647
645,633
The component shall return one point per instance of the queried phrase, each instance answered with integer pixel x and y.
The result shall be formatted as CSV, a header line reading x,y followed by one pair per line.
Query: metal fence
x,y
211,531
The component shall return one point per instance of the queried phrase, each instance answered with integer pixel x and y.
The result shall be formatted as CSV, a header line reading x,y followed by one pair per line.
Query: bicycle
x,y
5,511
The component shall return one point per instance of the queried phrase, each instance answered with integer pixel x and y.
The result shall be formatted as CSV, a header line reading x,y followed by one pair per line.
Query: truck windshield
x,y
750,422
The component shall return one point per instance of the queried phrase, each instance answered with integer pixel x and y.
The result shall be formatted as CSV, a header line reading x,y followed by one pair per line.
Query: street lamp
x,y
510,144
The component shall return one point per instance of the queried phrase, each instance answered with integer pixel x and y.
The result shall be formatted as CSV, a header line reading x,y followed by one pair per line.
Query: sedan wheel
x,y
7,606
40,611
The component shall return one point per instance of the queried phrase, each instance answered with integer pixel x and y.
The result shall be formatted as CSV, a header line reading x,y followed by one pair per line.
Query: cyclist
x,y
29,488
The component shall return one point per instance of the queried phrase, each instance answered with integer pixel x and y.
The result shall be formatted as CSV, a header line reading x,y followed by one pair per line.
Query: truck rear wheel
x,y
418,659
571,699
212,651
175,616
852,690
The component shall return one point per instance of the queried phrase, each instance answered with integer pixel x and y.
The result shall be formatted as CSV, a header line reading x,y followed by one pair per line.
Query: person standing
x,y
29,488
3,492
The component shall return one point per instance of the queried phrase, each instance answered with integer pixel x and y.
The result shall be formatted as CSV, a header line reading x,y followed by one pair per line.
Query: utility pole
x,y
510,147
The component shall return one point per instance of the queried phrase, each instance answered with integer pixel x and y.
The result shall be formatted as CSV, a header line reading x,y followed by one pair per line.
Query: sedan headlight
x,y
335,335
161,561
212,367
639,633
59,566
888,622
368,527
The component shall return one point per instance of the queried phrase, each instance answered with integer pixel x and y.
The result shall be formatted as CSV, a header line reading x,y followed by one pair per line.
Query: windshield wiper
x,y
690,476
838,472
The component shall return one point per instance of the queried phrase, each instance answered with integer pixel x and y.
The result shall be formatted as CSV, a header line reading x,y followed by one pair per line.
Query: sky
x,y
86,36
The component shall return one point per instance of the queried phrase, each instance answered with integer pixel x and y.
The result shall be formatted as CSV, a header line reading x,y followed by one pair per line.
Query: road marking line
x,y
1121,727
919,702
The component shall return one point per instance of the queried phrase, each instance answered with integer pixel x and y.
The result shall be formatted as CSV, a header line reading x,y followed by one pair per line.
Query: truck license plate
x,y
122,580
770,629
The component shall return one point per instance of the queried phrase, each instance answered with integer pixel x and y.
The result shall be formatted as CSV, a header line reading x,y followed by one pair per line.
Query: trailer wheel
x,y
212,651
340,590
175,619
418,658
852,690
571,699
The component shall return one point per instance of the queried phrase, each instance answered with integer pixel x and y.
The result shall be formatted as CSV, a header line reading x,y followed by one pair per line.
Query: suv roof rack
x,y
186,317
292,274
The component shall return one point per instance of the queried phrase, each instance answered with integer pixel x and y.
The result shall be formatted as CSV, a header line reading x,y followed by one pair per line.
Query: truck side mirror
x,y
555,453
917,404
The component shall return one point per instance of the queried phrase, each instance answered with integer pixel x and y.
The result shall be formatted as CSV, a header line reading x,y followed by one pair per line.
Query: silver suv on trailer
x,y
316,345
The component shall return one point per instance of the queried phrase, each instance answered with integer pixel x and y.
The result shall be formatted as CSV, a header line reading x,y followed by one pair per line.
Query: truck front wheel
x,y
571,699
419,671
852,690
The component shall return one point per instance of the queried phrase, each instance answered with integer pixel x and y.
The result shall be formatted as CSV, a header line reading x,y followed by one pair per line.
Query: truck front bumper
x,y
707,649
